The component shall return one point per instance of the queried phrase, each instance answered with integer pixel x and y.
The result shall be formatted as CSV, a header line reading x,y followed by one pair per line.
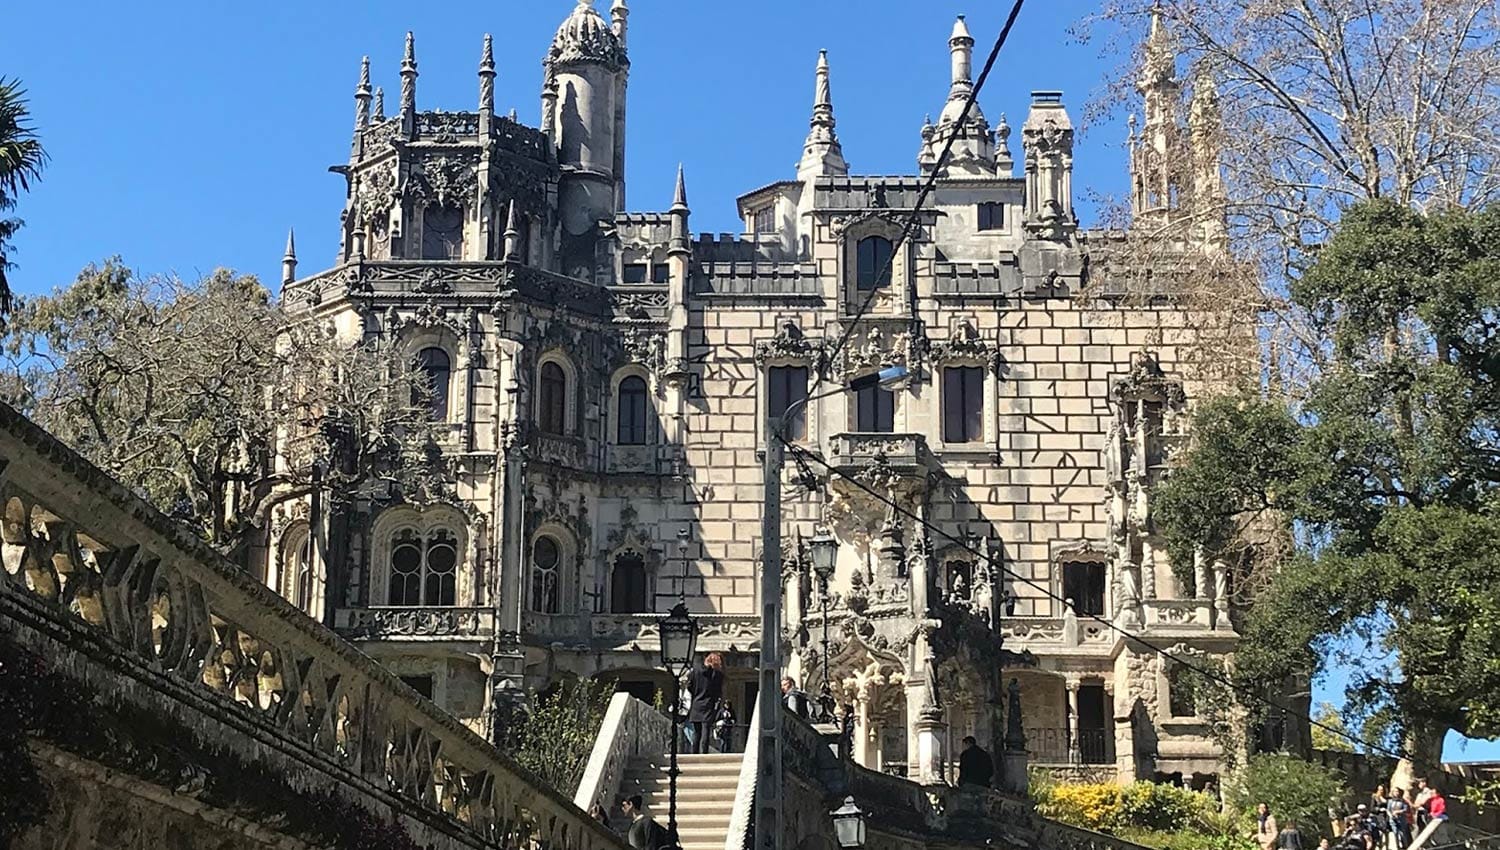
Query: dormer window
x,y
991,216
873,263
764,220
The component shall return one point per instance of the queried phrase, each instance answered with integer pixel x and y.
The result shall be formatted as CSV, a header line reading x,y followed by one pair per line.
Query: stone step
x,y
682,782
686,796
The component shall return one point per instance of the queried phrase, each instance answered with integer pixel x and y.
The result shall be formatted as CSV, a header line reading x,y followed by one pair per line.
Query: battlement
x,y
781,279
991,279
456,128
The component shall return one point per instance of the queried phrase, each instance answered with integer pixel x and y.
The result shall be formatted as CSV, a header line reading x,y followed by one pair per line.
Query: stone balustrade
x,y
903,454
415,623
630,728
109,592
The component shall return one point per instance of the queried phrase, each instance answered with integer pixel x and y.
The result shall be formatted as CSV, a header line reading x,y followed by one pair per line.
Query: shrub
x,y
1094,806
1163,807
1294,789
555,738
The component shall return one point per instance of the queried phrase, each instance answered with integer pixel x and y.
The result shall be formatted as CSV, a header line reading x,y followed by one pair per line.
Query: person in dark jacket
x,y
706,689
643,832
975,767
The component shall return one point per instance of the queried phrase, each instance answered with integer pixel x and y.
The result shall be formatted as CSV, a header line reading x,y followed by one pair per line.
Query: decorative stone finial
x,y
512,233
379,104
289,259
487,78
822,155
679,215
679,192
409,79
362,95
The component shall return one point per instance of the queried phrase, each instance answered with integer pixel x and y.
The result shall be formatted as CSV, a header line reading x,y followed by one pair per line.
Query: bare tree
x,y
209,401
1327,103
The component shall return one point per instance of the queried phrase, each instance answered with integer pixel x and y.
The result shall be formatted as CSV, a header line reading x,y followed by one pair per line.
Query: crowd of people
x,y
1388,821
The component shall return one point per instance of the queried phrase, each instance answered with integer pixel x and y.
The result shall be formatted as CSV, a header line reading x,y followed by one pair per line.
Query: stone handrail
x,y
1061,836
141,596
741,834
630,728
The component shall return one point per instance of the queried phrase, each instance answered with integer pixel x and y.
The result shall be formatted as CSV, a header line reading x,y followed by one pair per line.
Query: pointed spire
x,y
961,45
362,96
379,104
1159,64
822,155
679,192
486,86
289,259
409,84
512,233
679,215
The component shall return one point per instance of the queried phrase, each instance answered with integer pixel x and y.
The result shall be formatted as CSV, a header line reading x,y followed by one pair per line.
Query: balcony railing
x,y
102,581
904,454
1053,745
416,623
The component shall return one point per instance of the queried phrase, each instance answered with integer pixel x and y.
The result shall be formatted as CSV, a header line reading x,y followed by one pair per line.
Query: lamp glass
x,y
849,824
679,639
825,552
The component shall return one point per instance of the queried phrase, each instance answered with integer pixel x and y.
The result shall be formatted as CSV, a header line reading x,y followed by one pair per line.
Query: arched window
x,y
874,410
442,232
788,385
872,268
546,558
297,566
963,404
424,568
438,367
627,584
635,412
552,399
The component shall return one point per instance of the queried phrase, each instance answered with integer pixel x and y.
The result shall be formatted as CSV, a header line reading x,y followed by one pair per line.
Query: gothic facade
x,y
606,380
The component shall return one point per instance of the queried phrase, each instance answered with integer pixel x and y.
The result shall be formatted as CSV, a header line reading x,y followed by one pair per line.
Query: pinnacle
x,y
291,245
679,194
410,57
960,30
487,60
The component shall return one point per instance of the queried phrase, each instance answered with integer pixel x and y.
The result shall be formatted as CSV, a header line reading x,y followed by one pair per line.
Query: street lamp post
x,y
768,785
825,550
679,639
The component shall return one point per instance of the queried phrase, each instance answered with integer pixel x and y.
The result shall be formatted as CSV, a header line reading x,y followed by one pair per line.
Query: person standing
x,y
706,691
794,697
1399,813
975,767
1265,827
1421,795
643,833
1289,838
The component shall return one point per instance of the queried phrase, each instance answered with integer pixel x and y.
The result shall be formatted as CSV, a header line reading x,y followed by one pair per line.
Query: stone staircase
x,y
705,794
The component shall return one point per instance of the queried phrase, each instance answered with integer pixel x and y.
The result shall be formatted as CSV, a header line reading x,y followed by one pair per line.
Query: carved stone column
x,y
1072,684
1013,778
1221,595
1201,589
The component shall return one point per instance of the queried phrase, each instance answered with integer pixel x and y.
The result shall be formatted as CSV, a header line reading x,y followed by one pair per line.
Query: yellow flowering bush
x,y
1094,806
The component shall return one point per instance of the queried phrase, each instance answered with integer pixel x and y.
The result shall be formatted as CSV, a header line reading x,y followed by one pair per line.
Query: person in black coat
x,y
706,691
975,767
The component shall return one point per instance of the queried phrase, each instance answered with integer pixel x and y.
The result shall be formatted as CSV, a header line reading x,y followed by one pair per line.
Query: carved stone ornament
x,y
965,346
647,348
427,316
1146,380
375,192
446,180
873,352
789,345
1046,138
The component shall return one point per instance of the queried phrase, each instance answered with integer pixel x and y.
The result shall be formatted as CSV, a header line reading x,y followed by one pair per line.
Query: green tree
x,y
555,737
1294,790
21,161
1324,739
1387,475
209,400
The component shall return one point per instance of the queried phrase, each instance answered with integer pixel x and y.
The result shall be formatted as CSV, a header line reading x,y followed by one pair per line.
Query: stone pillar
x,y
864,732
1221,595
932,761
1072,683
1201,589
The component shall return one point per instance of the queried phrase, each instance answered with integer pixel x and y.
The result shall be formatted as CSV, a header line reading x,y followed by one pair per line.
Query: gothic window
x,y
438,367
552,399
765,220
661,273
627,584
635,272
872,268
963,404
635,412
1182,691
958,578
442,232
1083,582
787,386
546,559
424,568
874,410
297,566
991,216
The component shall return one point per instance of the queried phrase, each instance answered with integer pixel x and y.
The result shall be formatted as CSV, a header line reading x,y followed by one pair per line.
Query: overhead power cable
x,y
914,218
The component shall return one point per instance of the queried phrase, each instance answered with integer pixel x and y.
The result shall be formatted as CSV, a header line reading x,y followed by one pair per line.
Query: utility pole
x,y
768,781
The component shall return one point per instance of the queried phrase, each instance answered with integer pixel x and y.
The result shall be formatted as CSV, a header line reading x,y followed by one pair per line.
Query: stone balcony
x,y
1040,634
903,455
602,632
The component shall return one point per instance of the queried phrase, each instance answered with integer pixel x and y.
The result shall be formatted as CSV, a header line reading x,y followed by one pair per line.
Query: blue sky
x,y
188,136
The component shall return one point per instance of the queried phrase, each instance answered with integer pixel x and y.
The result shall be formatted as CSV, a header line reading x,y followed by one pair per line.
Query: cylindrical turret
x,y
585,64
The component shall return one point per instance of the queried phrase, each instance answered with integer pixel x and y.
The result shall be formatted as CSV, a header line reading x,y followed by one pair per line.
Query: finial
x,y
487,84
289,260
679,194
379,103
409,59
362,95
487,60
512,233
960,31
291,245
1002,137
513,117
409,85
